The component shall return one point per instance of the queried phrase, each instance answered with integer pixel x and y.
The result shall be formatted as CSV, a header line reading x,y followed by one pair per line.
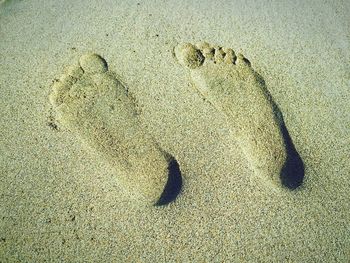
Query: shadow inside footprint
x,y
173,185
293,170
292,174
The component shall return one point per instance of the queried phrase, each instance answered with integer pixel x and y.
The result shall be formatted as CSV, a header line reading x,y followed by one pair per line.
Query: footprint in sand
x,y
232,86
91,102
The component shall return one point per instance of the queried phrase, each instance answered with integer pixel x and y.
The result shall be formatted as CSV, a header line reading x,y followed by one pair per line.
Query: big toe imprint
x,y
90,101
231,85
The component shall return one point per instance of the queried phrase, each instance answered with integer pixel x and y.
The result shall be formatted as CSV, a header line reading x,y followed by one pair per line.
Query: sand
x,y
62,201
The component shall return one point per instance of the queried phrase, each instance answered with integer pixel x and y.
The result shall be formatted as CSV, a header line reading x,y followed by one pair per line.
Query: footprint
x,y
232,86
91,102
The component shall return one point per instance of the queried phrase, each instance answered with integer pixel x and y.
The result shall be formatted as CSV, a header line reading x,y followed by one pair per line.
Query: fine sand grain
x,y
80,172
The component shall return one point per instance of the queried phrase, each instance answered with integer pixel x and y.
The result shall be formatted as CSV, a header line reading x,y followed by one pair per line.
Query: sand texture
x,y
174,131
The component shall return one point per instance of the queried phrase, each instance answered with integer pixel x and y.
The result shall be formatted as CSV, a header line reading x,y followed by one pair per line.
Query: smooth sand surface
x,y
62,202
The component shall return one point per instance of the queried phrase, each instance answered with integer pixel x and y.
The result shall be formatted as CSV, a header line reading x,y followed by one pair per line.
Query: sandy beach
x,y
64,195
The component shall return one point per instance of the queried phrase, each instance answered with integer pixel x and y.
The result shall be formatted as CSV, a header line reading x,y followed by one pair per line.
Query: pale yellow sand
x,y
59,202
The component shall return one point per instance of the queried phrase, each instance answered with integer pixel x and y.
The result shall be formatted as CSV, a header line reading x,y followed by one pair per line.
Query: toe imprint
x,y
189,56
93,63
194,56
